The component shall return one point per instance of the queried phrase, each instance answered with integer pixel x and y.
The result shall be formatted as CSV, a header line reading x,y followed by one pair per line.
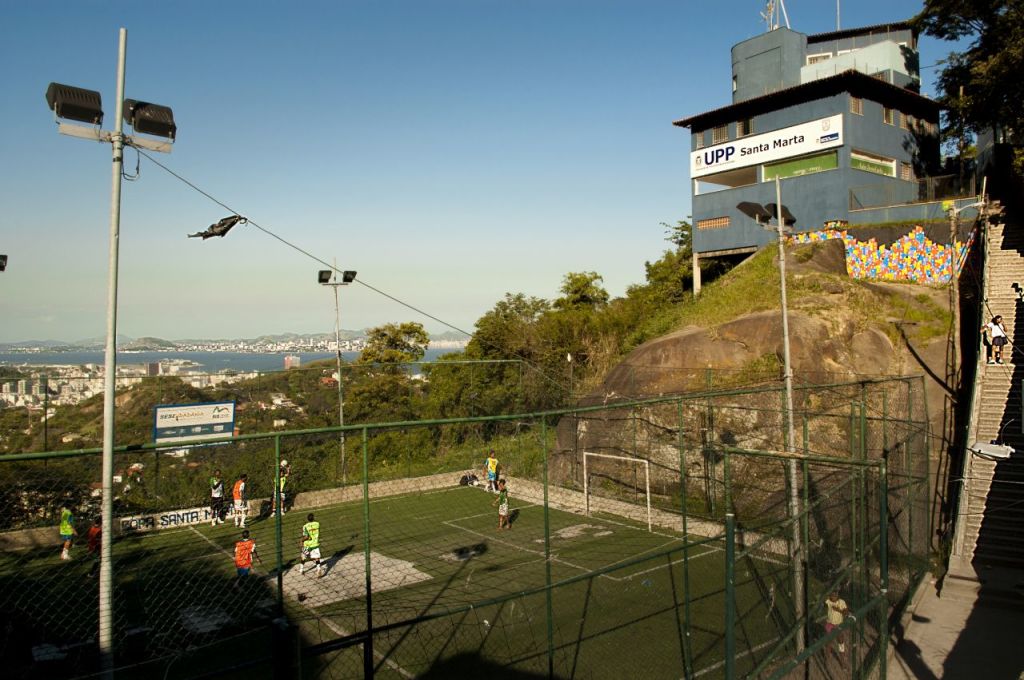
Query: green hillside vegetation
x,y
520,350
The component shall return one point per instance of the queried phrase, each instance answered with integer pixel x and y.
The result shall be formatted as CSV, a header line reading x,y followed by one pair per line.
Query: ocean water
x,y
211,362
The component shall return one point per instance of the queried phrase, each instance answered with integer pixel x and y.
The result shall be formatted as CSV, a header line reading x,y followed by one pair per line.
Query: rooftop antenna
x,y
775,10
837,15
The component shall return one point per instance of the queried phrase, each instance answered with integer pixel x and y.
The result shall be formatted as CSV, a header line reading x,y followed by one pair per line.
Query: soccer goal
x,y
619,471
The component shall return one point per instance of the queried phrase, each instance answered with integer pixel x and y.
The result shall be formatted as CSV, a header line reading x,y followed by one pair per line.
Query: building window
x,y
869,162
796,167
906,171
699,140
815,58
744,127
735,84
857,106
888,116
904,120
713,223
720,134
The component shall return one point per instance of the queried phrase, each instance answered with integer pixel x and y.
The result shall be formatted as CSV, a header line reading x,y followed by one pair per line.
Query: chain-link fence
x,y
669,537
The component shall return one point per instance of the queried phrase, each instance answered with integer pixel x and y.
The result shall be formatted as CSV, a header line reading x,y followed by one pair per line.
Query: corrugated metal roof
x,y
856,83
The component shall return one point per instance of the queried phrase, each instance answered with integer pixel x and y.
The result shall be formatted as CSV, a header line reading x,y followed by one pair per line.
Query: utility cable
x,y
332,267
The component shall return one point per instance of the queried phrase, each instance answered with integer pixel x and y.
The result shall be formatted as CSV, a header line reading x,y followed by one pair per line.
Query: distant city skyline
x,y
449,151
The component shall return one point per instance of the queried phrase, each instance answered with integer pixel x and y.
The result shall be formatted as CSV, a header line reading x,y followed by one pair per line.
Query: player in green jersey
x,y
67,532
311,545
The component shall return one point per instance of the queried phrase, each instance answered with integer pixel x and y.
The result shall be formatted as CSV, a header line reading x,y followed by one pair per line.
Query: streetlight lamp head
x,y
324,276
754,211
348,276
150,119
787,217
75,103
3,263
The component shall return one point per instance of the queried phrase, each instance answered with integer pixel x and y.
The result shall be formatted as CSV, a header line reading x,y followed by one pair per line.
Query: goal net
x,y
619,485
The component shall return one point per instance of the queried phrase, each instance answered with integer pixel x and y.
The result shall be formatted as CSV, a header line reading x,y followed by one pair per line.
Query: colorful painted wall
x,y
913,257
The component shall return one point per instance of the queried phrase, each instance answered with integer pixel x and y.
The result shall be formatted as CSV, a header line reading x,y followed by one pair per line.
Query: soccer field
x,y
448,588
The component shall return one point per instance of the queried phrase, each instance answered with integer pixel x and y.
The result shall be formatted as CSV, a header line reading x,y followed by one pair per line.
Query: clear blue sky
x,y
450,151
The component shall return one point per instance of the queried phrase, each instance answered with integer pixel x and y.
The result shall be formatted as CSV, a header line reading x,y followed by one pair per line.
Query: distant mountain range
x,y
150,343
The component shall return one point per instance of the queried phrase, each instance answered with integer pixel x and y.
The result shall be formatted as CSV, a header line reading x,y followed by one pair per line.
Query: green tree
x,y
582,289
395,343
988,71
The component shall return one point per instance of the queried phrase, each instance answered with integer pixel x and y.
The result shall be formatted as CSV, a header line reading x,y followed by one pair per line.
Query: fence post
x,y
730,594
883,555
277,525
547,553
687,651
368,645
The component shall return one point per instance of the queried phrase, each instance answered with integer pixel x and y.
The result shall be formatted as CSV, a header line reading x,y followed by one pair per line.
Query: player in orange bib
x,y
245,550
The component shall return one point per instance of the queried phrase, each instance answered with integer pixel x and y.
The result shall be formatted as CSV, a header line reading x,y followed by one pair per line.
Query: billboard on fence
x,y
164,520
184,422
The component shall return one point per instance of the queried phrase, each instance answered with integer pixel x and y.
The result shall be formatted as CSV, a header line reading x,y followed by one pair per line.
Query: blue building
x,y
837,116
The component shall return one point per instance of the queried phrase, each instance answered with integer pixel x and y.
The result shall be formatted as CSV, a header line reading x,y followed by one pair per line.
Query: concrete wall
x,y
767,63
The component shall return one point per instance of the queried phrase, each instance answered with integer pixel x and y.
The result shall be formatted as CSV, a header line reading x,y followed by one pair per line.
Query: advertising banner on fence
x,y
183,422
164,520
797,140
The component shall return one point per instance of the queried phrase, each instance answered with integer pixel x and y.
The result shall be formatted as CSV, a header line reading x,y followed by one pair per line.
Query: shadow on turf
x,y
469,665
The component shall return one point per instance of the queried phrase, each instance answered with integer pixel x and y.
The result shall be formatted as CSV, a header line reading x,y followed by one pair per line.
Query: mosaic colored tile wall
x,y
913,257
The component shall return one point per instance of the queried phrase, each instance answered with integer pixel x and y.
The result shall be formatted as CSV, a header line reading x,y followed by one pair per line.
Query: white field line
x,y
713,666
672,539
521,548
338,630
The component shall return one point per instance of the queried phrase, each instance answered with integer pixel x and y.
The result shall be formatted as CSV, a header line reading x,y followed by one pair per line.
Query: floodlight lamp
x,y
3,263
348,276
75,103
324,276
150,119
754,211
787,217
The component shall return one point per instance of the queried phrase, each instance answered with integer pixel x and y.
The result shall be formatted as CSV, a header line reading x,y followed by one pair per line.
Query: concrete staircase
x,y
993,510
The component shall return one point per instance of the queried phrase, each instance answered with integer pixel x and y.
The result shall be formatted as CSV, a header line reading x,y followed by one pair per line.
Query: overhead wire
x,y
333,268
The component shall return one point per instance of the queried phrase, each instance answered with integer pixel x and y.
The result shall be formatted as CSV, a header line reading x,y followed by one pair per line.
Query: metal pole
x,y
46,412
687,650
105,609
794,485
730,595
547,554
954,303
341,389
368,645
277,525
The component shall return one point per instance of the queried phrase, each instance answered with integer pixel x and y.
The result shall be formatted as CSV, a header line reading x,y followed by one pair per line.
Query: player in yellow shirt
x,y
491,469
835,611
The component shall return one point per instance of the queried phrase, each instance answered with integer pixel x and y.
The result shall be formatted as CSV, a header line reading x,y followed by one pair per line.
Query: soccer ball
x,y
284,463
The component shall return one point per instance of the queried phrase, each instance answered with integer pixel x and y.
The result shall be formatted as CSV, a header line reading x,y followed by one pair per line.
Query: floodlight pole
x,y
341,389
106,623
794,489
334,283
